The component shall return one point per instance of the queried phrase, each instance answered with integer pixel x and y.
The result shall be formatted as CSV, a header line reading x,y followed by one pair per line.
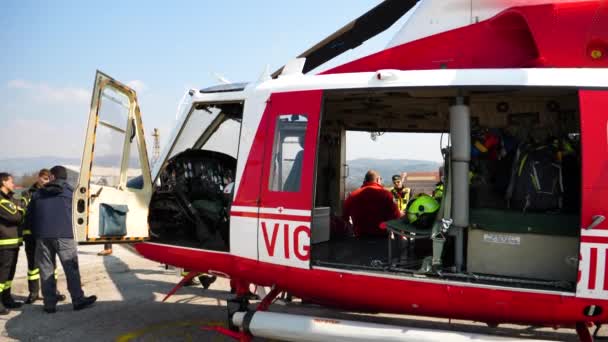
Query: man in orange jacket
x,y
369,206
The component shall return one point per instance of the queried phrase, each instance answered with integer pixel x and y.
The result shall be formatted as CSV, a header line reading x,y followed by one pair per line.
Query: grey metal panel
x,y
535,256
223,88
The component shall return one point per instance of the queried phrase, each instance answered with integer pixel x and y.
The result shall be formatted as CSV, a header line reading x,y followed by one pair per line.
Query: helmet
x,y
438,192
422,211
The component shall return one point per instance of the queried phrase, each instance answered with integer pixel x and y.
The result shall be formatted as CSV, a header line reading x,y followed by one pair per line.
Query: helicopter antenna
x,y
155,146
221,78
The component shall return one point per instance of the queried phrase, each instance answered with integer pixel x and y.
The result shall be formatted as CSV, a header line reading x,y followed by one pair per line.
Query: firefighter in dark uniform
x,y
11,216
33,272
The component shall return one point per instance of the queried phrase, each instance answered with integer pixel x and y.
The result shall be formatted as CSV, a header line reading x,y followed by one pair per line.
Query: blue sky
x,y
50,51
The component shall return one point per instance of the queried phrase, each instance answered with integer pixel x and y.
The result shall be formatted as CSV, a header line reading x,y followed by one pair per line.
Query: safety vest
x,y
26,202
438,192
401,197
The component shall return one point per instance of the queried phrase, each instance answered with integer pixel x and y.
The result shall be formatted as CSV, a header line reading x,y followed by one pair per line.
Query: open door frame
x,y
88,197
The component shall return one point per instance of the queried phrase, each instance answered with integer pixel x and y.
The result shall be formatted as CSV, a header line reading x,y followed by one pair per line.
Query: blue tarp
x,y
113,219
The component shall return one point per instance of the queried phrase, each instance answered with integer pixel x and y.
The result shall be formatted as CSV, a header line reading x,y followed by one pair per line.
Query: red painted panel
x,y
592,268
552,35
379,294
249,186
594,146
302,102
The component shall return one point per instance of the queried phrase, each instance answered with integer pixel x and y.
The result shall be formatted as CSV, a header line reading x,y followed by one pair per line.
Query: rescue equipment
x,y
422,211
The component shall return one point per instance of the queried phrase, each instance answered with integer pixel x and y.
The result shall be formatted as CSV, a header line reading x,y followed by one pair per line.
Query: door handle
x,y
597,219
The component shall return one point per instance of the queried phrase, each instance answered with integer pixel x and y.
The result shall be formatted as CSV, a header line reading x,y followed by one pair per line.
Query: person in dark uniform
x,y
33,272
50,219
11,216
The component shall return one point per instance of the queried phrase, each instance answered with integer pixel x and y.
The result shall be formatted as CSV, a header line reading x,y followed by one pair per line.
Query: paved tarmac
x,y
129,308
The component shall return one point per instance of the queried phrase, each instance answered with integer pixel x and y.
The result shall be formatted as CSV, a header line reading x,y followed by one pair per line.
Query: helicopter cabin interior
x,y
193,193
518,194
510,210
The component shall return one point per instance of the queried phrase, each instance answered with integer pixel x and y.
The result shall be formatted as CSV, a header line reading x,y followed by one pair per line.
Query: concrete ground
x,y
129,308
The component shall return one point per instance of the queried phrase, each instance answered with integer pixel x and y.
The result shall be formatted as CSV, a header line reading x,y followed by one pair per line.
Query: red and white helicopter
x,y
252,182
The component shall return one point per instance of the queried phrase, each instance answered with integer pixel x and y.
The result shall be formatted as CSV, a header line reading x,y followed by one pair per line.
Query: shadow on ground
x,y
139,316
135,313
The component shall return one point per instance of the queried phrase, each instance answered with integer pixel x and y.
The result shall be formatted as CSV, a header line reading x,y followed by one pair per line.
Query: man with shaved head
x,y
369,206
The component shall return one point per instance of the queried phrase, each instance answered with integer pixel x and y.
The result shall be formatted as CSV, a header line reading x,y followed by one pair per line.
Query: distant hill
x,y
386,168
20,166
357,167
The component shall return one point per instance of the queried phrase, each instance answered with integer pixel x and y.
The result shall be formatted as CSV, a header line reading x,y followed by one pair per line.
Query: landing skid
x,y
241,304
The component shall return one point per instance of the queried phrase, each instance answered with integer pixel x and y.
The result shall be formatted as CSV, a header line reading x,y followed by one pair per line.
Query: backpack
x,y
536,182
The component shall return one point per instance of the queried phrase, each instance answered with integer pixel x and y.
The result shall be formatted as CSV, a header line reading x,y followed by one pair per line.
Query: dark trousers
x,y
46,252
8,264
33,272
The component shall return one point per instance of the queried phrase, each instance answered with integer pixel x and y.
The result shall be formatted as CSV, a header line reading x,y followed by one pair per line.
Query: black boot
x,y
32,297
85,302
3,310
60,297
8,300
34,287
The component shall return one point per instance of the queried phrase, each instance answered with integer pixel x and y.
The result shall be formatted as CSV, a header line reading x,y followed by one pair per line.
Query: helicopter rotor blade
x,y
355,33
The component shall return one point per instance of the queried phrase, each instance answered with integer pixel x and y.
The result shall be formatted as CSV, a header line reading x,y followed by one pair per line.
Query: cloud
x,y
46,93
19,84
36,137
137,85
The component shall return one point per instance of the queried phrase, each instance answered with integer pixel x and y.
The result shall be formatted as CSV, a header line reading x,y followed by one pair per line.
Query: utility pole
x,y
155,146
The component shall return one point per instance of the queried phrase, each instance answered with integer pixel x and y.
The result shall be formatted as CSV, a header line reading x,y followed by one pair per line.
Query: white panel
x,y
137,217
278,210
284,242
567,77
585,266
601,268
431,17
243,234
594,232
285,211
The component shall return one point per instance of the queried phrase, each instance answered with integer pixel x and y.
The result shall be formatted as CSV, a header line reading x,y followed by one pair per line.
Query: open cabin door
x,y
114,187
592,276
286,196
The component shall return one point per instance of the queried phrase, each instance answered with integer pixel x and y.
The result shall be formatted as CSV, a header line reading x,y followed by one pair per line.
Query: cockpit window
x,y
225,139
288,153
198,120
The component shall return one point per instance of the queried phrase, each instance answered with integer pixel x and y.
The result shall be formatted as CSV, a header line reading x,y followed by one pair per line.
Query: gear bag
x,y
536,182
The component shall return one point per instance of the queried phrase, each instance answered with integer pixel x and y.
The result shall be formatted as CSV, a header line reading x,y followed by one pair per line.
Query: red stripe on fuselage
x,y
272,216
379,293
595,239
592,268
